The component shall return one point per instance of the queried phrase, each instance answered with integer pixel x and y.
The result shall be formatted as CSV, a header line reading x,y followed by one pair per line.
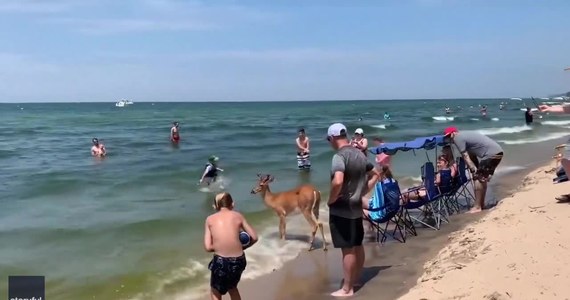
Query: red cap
x,y
449,130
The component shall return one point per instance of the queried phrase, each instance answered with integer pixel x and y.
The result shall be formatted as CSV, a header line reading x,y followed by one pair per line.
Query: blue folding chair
x,y
430,205
448,187
463,191
384,208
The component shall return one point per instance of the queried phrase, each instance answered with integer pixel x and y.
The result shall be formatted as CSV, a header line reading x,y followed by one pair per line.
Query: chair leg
x,y
398,228
384,231
408,222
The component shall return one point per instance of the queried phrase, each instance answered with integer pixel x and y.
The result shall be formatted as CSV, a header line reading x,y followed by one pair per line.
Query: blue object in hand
x,y
244,238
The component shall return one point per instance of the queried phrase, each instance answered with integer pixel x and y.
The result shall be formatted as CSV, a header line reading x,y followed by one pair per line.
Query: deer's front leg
x,y
282,226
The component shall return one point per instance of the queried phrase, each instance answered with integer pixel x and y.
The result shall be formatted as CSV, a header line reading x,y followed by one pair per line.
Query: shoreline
x,y
390,270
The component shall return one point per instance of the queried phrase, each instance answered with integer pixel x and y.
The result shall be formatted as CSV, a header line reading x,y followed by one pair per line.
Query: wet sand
x,y
395,266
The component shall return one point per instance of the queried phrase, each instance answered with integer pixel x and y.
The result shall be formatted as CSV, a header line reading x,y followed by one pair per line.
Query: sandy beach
x,y
519,250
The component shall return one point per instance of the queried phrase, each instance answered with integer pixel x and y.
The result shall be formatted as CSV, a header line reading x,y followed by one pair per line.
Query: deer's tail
x,y
316,203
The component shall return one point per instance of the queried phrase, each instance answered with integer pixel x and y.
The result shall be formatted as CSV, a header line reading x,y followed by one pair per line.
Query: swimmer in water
x,y
386,116
98,149
211,170
303,151
447,110
174,133
484,111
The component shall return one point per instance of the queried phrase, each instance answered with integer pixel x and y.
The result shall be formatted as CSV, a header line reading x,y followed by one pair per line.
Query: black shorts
x,y
487,167
226,272
346,233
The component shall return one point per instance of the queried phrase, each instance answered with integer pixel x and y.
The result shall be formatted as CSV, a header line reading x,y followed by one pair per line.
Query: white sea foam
x,y
556,123
443,118
495,119
221,184
475,119
380,126
543,138
504,130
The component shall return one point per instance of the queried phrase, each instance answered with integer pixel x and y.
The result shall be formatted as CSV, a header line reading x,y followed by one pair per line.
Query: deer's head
x,y
262,183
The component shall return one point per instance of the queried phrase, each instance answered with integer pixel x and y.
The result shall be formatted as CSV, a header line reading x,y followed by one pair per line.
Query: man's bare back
x,y
224,228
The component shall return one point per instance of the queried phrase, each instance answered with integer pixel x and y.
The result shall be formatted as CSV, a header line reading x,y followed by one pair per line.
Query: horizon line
x,y
262,101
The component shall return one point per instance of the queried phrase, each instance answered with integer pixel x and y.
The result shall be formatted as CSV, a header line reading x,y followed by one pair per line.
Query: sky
x,y
279,50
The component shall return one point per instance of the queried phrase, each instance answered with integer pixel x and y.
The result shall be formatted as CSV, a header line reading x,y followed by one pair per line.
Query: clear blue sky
x,y
175,50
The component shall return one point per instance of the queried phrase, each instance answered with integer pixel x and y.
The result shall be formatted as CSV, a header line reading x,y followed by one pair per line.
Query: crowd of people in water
x,y
352,177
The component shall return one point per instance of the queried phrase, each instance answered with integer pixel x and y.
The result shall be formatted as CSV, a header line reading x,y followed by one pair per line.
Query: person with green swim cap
x,y
211,170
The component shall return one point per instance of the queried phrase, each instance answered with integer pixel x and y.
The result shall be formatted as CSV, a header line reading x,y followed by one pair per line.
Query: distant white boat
x,y
123,103
517,99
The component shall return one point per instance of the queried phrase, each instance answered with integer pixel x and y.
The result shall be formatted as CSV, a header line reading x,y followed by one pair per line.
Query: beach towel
x,y
385,201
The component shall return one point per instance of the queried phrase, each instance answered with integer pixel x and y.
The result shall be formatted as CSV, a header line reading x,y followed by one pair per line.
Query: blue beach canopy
x,y
427,143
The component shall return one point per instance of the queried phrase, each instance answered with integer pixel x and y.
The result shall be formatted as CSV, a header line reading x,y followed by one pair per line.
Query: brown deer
x,y
306,198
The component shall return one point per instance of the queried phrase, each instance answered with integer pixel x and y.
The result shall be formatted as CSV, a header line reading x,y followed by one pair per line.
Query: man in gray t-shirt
x,y
349,177
482,155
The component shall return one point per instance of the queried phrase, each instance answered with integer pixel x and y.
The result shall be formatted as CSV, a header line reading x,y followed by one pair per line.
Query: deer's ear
x,y
258,175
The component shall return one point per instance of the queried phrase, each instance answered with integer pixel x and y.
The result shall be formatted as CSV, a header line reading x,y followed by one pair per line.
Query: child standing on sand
x,y
221,236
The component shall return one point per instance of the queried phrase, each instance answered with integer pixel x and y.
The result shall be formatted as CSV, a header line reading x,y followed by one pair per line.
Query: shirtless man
x,y
98,149
221,236
174,133
303,151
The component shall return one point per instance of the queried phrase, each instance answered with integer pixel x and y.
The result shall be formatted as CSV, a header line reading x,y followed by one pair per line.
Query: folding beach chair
x,y
464,182
384,208
430,205
449,187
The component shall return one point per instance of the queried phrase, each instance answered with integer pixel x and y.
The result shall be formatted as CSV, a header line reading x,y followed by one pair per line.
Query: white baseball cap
x,y
337,129
359,131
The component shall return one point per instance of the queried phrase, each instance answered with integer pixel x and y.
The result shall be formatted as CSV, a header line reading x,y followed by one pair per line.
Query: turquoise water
x,y
131,226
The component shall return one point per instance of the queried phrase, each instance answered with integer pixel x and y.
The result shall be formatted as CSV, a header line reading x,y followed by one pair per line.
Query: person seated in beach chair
x,y
390,199
448,153
383,175
443,180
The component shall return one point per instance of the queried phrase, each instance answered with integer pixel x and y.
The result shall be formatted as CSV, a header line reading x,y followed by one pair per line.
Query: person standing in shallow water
x,y
303,150
350,172
482,155
221,236
175,133
359,141
528,116
98,149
